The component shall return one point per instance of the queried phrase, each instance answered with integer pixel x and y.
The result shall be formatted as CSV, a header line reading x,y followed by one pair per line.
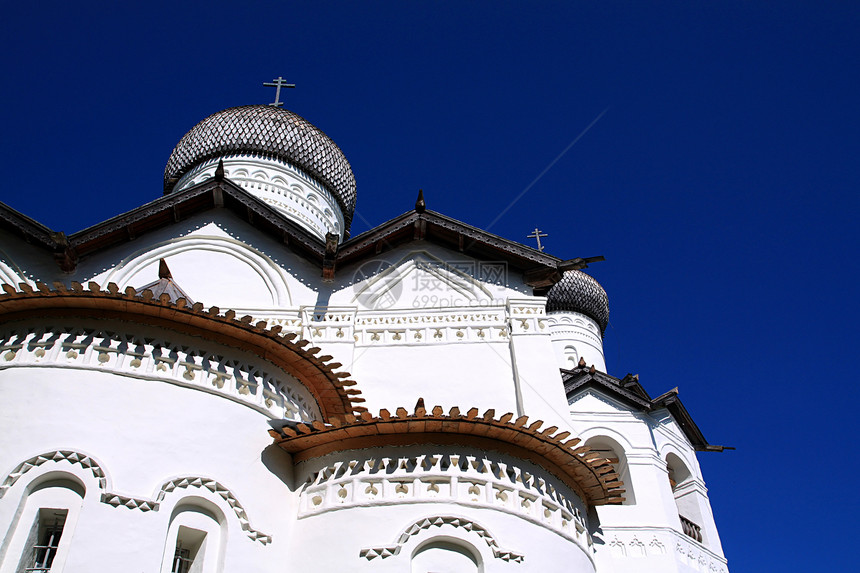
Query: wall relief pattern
x,y
651,544
477,481
143,504
272,394
384,551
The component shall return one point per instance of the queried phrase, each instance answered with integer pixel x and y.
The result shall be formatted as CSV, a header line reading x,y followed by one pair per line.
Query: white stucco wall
x,y
144,435
512,514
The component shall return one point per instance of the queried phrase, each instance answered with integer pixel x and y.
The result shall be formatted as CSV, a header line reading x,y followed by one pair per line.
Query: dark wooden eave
x,y
176,207
539,269
39,235
581,378
31,231
630,392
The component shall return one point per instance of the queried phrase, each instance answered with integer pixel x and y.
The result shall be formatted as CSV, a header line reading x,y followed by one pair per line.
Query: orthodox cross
x,y
278,84
536,234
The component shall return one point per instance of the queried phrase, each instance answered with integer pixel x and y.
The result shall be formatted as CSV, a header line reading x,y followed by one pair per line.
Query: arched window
x,y
195,538
681,481
614,452
446,554
39,539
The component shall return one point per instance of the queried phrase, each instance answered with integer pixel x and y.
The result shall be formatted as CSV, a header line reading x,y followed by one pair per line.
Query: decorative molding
x,y
143,504
438,521
586,472
652,542
117,500
331,390
527,316
430,326
258,263
328,324
70,456
279,395
475,481
564,327
284,186
221,491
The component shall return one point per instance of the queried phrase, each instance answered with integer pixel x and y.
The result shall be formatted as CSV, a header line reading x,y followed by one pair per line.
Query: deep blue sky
x,y
721,183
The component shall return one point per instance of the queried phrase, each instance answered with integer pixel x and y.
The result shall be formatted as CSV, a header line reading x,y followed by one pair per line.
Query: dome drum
x,y
285,187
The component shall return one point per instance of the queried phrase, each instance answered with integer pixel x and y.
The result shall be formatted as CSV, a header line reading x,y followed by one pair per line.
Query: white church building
x,y
224,380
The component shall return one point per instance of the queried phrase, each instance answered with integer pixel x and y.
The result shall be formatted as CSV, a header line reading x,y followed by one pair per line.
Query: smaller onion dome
x,y
579,292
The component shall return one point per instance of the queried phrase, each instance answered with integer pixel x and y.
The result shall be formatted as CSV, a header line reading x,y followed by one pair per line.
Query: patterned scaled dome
x,y
579,292
270,132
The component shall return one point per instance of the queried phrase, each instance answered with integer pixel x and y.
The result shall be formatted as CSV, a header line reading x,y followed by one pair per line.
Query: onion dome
x,y
272,133
579,292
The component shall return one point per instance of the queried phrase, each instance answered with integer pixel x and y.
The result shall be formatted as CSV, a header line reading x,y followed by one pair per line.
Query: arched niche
x,y
214,270
615,453
39,537
570,356
448,554
688,498
679,474
196,538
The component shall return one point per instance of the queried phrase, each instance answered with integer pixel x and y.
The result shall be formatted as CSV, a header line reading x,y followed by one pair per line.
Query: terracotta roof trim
x,y
583,470
333,390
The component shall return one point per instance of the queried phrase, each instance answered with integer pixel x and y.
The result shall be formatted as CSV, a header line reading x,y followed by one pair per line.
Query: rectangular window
x,y
43,541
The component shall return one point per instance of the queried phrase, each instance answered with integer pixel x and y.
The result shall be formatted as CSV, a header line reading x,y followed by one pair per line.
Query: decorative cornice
x,y
632,541
591,476
332,390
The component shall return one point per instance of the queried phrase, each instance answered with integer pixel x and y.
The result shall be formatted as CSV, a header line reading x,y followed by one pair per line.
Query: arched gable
x,y
211,278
